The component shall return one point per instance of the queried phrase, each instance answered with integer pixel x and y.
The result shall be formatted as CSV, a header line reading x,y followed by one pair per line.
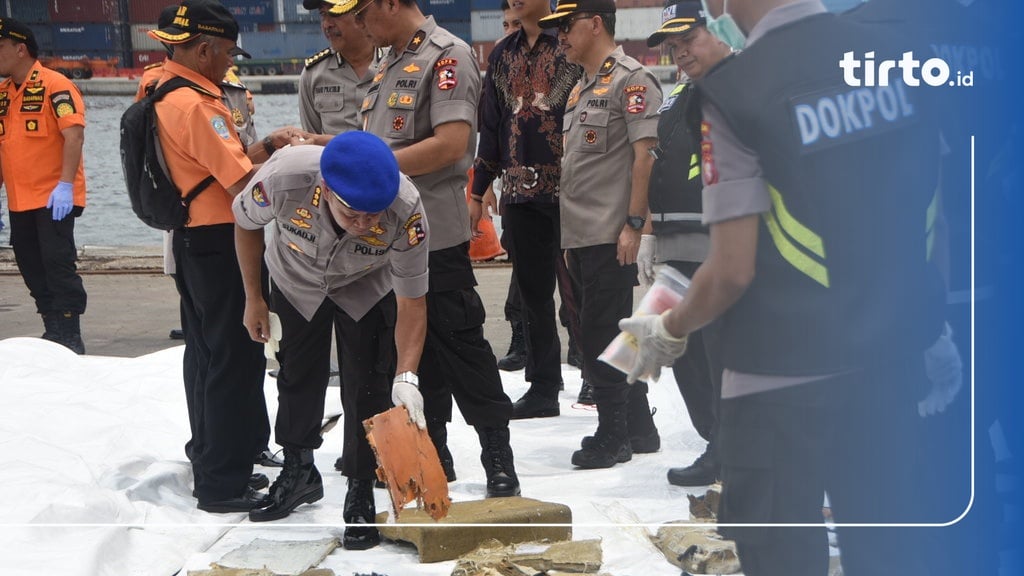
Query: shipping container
x,y
453,10
246,11
146,11
81,11
28,11
140,41
659,4
143,58
293,11
486,25
461,28
297,41
485,4
482,51
87,37
636,23
44,37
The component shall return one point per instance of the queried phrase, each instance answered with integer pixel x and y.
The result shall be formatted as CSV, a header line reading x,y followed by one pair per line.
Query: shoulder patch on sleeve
x,y
318,57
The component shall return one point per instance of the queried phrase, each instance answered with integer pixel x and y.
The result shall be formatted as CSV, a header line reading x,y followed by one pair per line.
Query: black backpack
x,y
155,199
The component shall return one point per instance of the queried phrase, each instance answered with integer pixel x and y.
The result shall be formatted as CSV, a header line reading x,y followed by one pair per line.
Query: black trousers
x,y
698,373
535,254
457,360
223,368
854,436
604,294
366,355
44,250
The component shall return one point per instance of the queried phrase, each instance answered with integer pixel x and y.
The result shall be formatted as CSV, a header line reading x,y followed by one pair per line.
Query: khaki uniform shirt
x,y
239,102
309,259
330,93
604,116
432,81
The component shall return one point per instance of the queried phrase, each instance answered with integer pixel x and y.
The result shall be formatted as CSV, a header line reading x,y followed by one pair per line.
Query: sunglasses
x,y
566,25
358,14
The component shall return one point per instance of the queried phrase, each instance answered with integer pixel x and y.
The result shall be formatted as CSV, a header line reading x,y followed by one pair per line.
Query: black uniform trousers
x,y
535,254
853,436
457,360
698,373
604,294
44,250
366,354
223,368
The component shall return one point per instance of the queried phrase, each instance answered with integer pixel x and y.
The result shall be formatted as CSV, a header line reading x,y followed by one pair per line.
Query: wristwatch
x,y
636,222
409,378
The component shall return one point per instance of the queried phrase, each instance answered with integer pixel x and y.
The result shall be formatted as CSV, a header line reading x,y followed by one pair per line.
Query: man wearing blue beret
x,y
348,251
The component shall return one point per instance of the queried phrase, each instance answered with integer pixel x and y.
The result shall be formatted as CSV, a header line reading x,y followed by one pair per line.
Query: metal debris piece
x,y
697,550
492,558
407,462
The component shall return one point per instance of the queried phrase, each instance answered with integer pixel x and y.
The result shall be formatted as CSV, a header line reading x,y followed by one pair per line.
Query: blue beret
x,y
361,171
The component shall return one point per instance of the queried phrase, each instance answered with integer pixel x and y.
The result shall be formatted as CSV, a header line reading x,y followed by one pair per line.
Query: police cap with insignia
x,y
678,18
344,6
20,34
316,4
566,8
360,170
197,17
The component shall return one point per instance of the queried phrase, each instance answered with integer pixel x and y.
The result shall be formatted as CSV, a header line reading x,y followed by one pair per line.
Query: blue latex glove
x,y
61,200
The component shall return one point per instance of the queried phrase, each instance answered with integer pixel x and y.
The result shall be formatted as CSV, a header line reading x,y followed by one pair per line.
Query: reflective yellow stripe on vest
x,y
782,226
694,166
929,224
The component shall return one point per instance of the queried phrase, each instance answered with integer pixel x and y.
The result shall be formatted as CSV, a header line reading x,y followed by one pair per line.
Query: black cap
x,y
678,18
195,17
316,4
20,33
167,16
566,8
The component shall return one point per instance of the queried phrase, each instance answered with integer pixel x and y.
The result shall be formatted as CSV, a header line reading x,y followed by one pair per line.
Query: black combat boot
x,y
586,395
70,332
496,457
610,444
643,435
516,357
298,483
438,431
51,327
704,471
360,509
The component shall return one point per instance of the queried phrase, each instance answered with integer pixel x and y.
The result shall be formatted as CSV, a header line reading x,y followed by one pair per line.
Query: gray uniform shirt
x,y
604,116
431,81
310,261
330,93
238,100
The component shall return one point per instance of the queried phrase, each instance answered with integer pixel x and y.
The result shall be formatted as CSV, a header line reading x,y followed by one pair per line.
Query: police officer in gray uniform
x,y
423,103
680,239
348,251
610,125
335,80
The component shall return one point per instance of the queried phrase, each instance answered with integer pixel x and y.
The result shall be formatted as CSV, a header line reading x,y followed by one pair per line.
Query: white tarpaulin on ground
x,y
95,482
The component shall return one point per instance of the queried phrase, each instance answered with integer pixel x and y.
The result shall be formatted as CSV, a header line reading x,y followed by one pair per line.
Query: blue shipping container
x,y
485,4
446,9
297,41
461,28
28,10
293,11
246,11
86,37
44,37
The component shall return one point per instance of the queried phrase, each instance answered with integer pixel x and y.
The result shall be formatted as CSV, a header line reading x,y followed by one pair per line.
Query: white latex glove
x,y
945,370
273,343
645,259
655,346
408,395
